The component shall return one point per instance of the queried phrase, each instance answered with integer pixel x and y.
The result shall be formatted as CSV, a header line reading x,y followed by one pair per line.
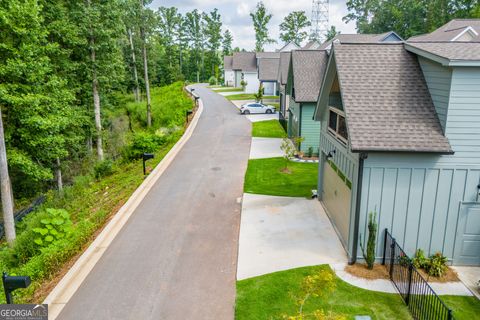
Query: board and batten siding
x,y
309,128
438,79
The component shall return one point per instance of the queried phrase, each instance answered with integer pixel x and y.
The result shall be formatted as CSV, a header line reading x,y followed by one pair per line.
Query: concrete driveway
x,y
280,233
176,256
266,148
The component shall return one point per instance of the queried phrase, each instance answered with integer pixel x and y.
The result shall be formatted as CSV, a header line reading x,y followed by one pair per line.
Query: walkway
x,y
176,256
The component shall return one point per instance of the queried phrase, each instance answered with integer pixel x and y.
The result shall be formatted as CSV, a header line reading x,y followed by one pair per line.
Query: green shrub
x,y
212,81
103,169
419,261
143,142
437,265
369,256
54,227
310,152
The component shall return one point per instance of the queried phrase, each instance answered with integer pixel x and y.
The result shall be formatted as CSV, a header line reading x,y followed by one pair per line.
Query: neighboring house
x,y
245,68
229,74
400,135
457,30
344,38
282,76
312,45
305,77
267,74
288,47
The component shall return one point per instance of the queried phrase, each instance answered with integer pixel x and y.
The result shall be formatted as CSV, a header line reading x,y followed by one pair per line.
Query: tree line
x,y
63,62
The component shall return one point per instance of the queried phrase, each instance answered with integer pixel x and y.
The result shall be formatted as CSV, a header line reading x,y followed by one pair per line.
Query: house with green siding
x,y
400,136
304,80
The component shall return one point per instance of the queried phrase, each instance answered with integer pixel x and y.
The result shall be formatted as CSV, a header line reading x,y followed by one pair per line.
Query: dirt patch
x,y
286,171
360,270
449,276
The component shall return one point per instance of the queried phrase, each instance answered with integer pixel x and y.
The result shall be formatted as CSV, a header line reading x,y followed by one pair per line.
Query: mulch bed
x,y
380,272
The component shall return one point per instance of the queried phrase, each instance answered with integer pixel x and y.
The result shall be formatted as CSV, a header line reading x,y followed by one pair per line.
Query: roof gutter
x,y
362,158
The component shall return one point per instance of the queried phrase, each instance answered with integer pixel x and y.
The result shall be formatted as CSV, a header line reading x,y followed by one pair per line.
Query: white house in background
x,y
289,47
245,68
267,74
229,74
312,45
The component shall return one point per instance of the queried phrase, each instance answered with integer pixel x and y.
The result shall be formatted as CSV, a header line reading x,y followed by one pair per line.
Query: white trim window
x,y
337,125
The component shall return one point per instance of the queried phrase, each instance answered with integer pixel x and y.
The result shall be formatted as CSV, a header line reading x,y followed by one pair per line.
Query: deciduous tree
x,y
292,29
261,18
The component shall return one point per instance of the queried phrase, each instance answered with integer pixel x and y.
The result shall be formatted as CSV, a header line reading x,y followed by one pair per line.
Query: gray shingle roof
x,y
454,51
267,55
283,67
308,70
268,69
449,31
312,45
356,38
228,62
245,61
386,100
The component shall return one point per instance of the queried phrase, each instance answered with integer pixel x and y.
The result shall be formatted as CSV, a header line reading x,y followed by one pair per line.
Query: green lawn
x,y
265,176
274,296
228,89
268,129
247,96
463,307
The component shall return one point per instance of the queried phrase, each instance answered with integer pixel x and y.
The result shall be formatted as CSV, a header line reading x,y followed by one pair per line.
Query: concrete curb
x,y
69,284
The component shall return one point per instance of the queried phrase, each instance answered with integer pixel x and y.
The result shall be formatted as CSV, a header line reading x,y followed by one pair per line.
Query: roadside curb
x,y
72,280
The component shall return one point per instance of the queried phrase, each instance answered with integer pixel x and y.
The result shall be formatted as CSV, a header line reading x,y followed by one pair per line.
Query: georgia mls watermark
x,y
23,312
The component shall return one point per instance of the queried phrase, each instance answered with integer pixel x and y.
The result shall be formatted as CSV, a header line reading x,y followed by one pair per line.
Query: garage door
x,y
336,198
467,244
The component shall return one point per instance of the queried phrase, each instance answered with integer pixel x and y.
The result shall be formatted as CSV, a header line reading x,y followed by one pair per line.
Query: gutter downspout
x,y
362,157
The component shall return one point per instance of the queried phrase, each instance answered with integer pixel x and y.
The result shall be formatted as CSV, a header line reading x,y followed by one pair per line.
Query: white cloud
x,y
235,15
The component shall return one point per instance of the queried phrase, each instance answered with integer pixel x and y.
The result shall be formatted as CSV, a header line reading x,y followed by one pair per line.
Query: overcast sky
x,y
235,15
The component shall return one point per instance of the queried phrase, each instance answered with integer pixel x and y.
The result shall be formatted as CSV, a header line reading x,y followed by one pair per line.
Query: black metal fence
x,y
423,302
22,213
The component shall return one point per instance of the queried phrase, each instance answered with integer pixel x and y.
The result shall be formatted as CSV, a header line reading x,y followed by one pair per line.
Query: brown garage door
x,y
336,198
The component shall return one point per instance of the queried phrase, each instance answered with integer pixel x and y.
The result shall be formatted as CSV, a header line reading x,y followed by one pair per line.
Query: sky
x,y
236,18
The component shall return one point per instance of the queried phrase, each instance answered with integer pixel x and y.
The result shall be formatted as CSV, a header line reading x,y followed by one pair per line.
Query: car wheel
x,y
268,111
246,112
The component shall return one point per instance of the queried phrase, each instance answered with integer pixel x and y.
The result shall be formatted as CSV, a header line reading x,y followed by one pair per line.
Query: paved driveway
x,y
176,256
280,233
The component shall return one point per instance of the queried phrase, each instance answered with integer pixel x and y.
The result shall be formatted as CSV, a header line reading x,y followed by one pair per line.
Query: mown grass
x,y
92,201
268,129
267,176
247,96
464,308
228,89
275,295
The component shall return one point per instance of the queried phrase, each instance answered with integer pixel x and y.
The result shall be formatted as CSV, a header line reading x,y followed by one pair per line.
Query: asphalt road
x,y
176,257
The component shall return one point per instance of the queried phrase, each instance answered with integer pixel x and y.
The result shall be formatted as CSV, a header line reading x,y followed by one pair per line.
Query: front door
x,y
467,244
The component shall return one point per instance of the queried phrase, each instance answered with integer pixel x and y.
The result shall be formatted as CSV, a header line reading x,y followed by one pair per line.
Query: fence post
x,y
450,315
385,246
392,257
410,274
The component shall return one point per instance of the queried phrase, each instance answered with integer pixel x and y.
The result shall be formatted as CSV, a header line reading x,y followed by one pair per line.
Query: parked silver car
x,y
256,107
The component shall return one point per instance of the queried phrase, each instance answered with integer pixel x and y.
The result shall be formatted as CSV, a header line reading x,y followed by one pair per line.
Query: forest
x,y
65,65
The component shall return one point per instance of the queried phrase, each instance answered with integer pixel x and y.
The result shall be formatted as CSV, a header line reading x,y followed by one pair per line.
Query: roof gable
x,y
244,61
283,67
268,69
308,71
362,38
385,98
455,30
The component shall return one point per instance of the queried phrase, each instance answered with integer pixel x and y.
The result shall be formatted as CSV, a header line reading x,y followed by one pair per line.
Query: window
x,y
337,125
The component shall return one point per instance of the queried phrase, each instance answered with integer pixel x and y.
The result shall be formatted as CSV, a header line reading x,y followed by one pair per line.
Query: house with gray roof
x,y
457,30
267,74
282,75
228,73
361,38
304,80
244,65
400,136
